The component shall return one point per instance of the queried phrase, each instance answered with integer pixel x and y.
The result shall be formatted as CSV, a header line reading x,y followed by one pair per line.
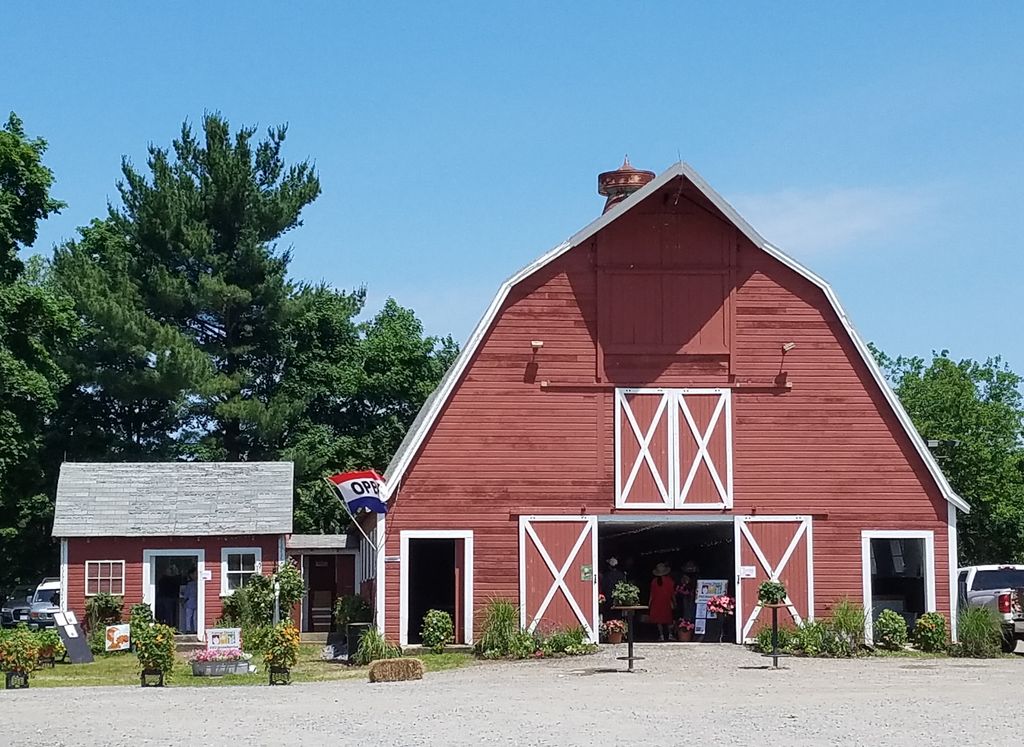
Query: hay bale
x,y
396,670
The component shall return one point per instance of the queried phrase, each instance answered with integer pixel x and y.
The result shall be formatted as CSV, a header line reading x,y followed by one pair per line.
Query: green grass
x,y
122,669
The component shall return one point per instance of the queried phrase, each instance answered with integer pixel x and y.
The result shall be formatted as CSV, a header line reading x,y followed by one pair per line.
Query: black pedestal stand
x,y
629,658
775,654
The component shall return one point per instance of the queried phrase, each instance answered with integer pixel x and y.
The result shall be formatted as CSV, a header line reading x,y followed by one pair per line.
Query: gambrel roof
x,y
421,427
179,499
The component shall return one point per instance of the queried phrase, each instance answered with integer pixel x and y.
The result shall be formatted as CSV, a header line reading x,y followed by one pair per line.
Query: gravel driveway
x,y
689,694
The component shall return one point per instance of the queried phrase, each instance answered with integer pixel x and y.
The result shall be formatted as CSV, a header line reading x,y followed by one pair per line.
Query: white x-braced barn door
x,y
558,573
773,548
673,448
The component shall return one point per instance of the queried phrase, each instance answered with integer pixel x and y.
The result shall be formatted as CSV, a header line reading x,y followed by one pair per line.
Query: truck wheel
x,y
1009,643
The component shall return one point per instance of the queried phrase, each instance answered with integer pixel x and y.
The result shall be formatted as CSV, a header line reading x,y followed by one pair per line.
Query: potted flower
x,y
771,592
50,646
613,630
684,630
600,599
154,646
625,594
19,653
282,652
722,604
213,662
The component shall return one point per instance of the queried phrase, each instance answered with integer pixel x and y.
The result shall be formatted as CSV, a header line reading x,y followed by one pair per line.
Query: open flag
x,y
362,489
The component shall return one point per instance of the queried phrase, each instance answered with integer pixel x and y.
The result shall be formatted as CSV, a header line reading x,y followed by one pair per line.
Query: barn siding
x,y
129,549
506,445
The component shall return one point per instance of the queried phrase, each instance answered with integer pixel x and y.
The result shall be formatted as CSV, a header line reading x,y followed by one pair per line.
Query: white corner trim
x,y
461,363
224,553
954,586
865,557
149,582
466,535
380,539
64,574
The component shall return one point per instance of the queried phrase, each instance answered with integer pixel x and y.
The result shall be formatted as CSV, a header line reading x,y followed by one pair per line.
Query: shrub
x,y
19,651
292,587
980,633
256,639
351,608
373,646
764,639
625,594
890,630
235,612
930,632
568,642
847,627
48,642
438,630
812,638
771,592
522,646
97,640
396,670
282,646
500,630
154,645
253,604
103,609
139,616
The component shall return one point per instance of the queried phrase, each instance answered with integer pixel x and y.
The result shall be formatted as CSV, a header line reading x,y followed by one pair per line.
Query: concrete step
x,y
185,644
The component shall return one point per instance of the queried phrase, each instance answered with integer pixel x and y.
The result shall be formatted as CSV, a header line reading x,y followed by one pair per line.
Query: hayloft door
x,y
773,548
558,573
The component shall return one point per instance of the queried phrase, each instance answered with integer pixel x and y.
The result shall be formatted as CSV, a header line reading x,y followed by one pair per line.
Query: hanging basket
x,y
16,680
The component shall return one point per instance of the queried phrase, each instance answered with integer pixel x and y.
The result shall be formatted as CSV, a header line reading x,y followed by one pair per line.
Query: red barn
x,y
665,387
141,531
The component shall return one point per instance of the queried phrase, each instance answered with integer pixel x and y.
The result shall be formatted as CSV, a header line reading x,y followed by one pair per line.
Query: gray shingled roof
x,y
140,499
321,542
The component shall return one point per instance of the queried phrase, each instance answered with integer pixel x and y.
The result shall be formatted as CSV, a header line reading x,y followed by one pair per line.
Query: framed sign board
x,y
217,638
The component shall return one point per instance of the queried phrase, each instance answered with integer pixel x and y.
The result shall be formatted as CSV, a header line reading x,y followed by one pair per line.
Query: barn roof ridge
x,y
433,405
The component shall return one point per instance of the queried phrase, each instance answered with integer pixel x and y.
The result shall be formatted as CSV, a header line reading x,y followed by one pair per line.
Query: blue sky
x,y
880,143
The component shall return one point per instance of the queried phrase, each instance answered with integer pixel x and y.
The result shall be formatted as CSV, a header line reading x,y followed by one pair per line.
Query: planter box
x,y
219,668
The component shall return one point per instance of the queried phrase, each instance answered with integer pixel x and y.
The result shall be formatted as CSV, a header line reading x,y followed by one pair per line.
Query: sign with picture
x,y
707,588
118,638
218,638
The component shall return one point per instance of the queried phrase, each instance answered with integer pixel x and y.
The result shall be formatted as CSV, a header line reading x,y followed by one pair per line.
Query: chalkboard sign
x,y
71,634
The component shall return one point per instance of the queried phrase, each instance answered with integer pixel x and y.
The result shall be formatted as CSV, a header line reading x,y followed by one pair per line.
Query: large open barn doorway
x,y
437,568
689,555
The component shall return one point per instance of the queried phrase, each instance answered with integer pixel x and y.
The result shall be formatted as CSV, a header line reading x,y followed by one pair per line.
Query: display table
x,y
629,612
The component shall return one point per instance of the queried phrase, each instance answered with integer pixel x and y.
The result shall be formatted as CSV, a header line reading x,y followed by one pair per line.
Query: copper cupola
x,y
619,184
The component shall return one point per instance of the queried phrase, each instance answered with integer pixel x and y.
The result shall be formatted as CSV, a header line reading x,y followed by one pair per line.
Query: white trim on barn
x,y
954,594
865,556
149,583
380,539
466,535
64,574
435,404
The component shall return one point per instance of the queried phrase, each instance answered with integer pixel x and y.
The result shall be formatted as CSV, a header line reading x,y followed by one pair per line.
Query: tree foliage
x,y
976,412
34,323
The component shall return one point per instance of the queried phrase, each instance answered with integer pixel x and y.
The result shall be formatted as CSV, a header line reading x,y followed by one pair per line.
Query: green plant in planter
x,y
771,592
154,646
351,608
625,594
140,616
890,630
930,632
49,644
438,630
19,651
282,646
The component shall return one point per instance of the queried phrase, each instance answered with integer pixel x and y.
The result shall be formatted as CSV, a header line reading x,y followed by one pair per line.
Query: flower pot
x,y
684,636
279,675
219,668
615,637
16,680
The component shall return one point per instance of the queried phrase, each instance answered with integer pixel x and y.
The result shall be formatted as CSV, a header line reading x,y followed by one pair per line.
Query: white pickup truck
x,y
1001,589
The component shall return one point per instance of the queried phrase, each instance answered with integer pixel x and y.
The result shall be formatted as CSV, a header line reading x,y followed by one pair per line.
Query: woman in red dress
x,y
663,591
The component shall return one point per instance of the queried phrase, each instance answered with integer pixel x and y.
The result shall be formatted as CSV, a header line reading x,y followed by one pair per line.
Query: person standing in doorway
x,y
190,597
611,576
663,592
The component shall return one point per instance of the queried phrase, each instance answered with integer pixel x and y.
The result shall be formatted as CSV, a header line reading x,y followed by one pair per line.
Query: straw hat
x,y
661,569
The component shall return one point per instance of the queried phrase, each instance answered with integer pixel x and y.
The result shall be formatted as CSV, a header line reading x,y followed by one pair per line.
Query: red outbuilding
x,y
664,387
170,532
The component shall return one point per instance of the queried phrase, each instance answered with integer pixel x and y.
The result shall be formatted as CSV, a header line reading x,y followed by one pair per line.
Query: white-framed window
x,y
238,565
104,577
